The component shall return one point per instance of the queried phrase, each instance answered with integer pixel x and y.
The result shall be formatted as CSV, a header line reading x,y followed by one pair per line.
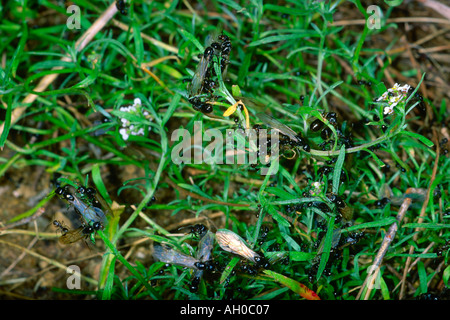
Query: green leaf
x,y
446,276
119,256
280,193
7,122
277,217
309,111
86,82
33,210
107,290
375,157
416,89
235,6
287,10
422,277
138,43
289,178
284,37
97,178
295,286
291,242
326,248
194,189
173,105
329,89
236,91
228,269
393,3
300,256
19,50
380,88
193,39
426,225
415,255
422,139
337,170
373,224
384,289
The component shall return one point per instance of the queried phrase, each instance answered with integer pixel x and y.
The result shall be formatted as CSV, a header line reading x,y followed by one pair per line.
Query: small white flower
x,y
124,134
405,88
317,188
134,128
388,110
383,97
393,96
394,101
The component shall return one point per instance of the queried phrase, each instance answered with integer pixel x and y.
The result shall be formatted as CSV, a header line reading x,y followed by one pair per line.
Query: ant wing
x,y
205,247
231,242
334,241
195,88
72,236
169,255
89,213
101,217
213,36
277,125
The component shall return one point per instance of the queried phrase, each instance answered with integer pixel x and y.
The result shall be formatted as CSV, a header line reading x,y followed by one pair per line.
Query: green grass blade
x,y
295,286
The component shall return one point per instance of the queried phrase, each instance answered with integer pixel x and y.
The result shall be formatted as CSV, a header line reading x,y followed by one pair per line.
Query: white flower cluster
x,y
134,129
394,96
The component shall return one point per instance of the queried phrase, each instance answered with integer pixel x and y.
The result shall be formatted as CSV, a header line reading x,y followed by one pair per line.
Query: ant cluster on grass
x,y
89,210
203,263
325,128
341,239
204,80
325,125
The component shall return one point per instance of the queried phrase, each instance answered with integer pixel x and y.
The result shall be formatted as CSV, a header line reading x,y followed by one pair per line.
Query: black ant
x,y
121,6
61,226
441,250
363,82
198,230
263,235
71,236
194,284
382,202
89,194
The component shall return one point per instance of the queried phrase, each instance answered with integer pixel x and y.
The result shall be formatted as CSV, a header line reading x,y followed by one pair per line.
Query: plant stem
x,y
119,256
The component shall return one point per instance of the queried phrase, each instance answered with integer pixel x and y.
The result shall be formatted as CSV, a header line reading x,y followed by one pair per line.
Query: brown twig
x,y
144,36
389,237
422,214
393,20
19,258
36,215
437,6
191,221
44,258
